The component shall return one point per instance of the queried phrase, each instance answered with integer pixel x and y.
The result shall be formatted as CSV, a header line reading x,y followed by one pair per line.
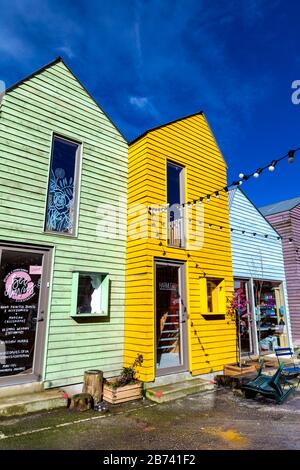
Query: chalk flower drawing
x,y
60,202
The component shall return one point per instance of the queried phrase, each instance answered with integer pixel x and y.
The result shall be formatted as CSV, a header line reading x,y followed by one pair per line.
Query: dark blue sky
x,y
151,61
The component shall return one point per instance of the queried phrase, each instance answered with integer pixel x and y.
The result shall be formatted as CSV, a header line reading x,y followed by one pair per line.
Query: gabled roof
x,y
199,113
164,125
33,74
282,206
231,194
45,67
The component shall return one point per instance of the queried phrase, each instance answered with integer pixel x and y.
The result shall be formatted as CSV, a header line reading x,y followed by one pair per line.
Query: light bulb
x,y
291,154
257,173
272,166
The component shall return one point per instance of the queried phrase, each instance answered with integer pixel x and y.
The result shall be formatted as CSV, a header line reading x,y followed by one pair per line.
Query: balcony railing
x,y
176,232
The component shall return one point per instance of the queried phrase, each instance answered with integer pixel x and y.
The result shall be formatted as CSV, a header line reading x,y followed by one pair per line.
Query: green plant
x,y
128,374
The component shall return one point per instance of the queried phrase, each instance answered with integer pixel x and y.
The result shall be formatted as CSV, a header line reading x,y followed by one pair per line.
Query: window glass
x,y
60,214
173,176
214,295
89,293
270,316
241,289
175,212
210,296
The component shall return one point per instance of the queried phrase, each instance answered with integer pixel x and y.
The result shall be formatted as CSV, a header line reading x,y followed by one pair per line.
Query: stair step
x,y
21,389
173,391
23,404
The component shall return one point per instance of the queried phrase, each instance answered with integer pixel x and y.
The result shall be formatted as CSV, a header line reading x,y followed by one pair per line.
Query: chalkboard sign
x,y
20,281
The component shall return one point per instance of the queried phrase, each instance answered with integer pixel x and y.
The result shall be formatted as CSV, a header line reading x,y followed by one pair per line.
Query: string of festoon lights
x,y
290,156
258,235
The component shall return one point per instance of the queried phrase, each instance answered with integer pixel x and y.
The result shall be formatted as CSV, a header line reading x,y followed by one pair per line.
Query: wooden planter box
x,y
233,369
122,394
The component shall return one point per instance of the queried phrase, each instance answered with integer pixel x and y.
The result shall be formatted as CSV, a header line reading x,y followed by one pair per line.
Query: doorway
x,y
170,318
24,281
242,289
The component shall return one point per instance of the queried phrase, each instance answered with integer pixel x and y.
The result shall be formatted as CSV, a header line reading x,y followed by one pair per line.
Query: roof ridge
x,y
33,74
281,206
50,64
143,134
280,202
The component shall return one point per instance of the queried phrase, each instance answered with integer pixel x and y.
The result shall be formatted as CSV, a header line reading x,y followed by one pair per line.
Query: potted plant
x,y
238,309
126,387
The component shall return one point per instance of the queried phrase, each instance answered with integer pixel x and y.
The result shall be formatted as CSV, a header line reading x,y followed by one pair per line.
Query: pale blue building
x,y
258,268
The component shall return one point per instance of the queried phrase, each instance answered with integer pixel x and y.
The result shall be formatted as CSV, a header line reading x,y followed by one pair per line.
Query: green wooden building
x,y
63,196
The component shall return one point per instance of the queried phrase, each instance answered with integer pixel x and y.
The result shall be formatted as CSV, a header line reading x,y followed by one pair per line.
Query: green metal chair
x,y
274,387
291,371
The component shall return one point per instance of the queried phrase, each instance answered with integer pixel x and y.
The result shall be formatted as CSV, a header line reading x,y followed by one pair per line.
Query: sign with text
x,y
19,303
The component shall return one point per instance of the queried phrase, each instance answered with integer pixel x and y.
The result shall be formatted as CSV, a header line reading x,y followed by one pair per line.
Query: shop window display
x,y
270,316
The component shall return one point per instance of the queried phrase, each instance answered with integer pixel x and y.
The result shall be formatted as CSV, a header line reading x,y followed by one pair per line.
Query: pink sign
x,y
18,285
35,270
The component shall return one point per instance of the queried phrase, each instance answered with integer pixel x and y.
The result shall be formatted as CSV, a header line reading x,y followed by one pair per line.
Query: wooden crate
x,y
122,394
233,369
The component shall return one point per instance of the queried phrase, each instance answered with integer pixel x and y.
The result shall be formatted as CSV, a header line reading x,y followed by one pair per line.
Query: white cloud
x,y
144,104
67,51
139,101
12,46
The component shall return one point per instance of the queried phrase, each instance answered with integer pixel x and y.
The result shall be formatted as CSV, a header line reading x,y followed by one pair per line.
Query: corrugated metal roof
x,y
282,206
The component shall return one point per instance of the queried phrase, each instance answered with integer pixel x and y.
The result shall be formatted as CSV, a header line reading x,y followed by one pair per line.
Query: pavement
x,y
220,419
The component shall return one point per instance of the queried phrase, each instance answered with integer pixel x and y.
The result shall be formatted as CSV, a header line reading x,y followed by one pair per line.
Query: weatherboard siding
x,y
287,223
54,102
190,143
254,256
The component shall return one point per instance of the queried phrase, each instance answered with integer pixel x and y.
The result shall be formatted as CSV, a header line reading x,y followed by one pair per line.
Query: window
x,y
90,293
175,191
62,188
215,295
270,315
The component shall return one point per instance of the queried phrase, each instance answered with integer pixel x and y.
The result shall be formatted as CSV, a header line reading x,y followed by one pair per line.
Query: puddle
x,y
230,436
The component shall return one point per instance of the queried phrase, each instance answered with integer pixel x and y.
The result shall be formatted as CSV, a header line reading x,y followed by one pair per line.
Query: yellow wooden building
x,y
179,267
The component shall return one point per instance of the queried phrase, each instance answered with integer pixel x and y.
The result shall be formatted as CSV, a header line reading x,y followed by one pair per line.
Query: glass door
x,y
22,314
171,319
241,288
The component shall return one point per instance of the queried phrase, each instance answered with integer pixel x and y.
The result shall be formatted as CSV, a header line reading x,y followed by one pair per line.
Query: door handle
x,y
41,317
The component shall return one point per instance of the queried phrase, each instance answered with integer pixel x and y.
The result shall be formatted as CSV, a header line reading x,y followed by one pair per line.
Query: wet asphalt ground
x,y
220,420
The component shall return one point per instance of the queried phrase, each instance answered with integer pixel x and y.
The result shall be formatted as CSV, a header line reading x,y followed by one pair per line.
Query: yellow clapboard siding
x,y
190,143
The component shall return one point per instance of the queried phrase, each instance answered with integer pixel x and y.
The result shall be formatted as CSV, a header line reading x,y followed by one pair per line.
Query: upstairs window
x,y
62,187
175,194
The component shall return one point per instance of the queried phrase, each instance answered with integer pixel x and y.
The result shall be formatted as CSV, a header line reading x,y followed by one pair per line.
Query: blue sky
x,y
151,61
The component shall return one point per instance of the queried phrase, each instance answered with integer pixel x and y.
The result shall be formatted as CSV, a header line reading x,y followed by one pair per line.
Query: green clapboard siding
x,y
54,101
